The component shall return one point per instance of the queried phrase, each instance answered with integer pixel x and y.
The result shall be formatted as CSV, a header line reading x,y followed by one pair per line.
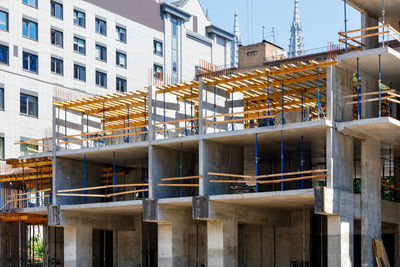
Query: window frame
x,y
2,99
77,18
27,3
79,67
30,55
116,84
28,27
99,72
51,37
117,28
56,60
156,67
77,45
98,27
53,5
155,51
28,109
7,21
3,148
26,152
117,59
7,56
102,48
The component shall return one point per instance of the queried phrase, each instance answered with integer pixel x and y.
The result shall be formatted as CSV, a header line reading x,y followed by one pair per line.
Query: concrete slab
x,y
369,63
374,7
385,129
282,200
133,207
38,211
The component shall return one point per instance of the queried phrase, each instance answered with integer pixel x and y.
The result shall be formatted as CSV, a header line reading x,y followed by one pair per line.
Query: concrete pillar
x,y
340,241
369,84
215,243
370,198
366,22
230,243
397,246
165,245
78,246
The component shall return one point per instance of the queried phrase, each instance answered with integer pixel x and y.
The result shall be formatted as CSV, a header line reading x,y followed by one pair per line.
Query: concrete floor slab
x,y
282,200
385,129
133,207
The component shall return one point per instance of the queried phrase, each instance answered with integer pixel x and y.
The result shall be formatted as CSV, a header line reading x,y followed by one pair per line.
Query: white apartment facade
x,y
51,49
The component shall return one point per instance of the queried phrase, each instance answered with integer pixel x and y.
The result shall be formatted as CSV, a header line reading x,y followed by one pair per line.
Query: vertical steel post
x,y
181,170
380,87
256,150
345,22
302,161
128,137
114,173
84,177
358,89
283,116
282,160
318,103
87,129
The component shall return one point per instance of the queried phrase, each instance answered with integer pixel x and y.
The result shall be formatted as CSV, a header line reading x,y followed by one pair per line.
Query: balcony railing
x,y
353,38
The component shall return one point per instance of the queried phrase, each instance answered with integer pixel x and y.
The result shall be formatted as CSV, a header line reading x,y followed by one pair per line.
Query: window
x,y
121,60
57,66
3,54
79,18
29,105
32,3
174,49
101,79
121,34
2,148
158,48
1,98
101,53
121,85
158,71
30,62
3,21
79,72
27,149
29,29
252,53
101,26
56,10
79,45
57,38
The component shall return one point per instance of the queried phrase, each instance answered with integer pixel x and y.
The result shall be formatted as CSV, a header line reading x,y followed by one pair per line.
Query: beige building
x,y
255,55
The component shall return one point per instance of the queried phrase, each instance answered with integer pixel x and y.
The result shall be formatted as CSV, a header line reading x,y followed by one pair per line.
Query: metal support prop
x,y
269,112
282,159
50,198
84,177
383,22
345,22
114,174
380,86
358,89
127,138
319,106
37,187
233,126
181,170
104,124
65,127
283,113
145,115
164,126
191,109
184,104
215,104
124,177
302,161
256,150
87,128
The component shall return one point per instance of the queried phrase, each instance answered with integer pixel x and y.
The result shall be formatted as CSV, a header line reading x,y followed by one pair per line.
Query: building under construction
x,y
294,164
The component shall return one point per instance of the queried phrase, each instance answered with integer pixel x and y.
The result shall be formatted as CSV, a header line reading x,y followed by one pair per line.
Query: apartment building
x,y
53,50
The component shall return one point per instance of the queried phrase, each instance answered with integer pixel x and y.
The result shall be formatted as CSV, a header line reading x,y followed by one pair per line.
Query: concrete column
x,y
230,243
366,22
370,198
397,246
369,83
165,245
339,84
340,241
215,243
77,246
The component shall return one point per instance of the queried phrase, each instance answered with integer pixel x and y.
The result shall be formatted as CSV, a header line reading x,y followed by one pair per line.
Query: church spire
x,y
296,46
236,42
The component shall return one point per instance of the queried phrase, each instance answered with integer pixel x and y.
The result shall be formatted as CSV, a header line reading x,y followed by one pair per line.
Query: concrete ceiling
x,y
369,63
374,7
133,207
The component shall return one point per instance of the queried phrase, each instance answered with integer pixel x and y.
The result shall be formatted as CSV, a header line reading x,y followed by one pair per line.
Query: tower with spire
x,y
296,46
235,44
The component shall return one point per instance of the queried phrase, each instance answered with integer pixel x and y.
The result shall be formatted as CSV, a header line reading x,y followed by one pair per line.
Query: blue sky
x,y
321,19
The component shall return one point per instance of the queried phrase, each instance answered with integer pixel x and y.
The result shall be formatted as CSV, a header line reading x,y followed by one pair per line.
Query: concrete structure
x,y
294,165
255,55
115,46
